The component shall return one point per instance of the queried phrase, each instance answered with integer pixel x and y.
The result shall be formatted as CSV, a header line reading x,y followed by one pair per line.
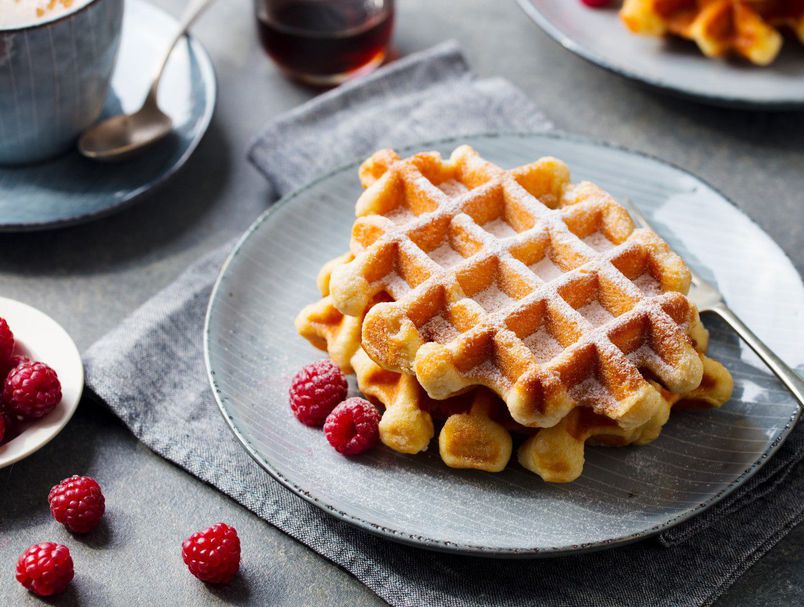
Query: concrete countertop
x,y
90,277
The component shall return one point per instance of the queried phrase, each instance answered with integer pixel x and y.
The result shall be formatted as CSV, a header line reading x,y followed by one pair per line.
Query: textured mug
x,y
54,78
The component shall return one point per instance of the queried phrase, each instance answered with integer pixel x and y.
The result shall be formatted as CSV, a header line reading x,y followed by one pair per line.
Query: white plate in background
x,y
674,65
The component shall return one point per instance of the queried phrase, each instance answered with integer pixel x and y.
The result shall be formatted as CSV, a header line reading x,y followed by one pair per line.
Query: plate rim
x,y
442,545
739,103
135,195
71,407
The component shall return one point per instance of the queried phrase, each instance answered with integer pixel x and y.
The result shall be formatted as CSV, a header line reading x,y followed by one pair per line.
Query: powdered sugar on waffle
x,y
598,242
438,329
592,255
499,228
492,299
644,356
543,345
446,256
487,370
497,237
546,269
591,392
401,215
595,313
452,187
648,285
396,286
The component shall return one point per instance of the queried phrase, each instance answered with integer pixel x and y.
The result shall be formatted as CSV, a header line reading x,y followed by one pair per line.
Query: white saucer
x,y
673,65
41,338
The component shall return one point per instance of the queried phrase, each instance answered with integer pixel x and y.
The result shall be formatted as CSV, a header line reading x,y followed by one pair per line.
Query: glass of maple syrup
x,y
325,42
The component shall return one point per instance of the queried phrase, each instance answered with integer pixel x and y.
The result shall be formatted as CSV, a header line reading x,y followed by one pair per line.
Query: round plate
x,y
624,494
671,64
71,189
41,338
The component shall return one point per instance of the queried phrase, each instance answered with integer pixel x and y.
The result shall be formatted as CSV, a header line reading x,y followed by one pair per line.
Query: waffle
x,y
747,28
476,432
557,453
542,291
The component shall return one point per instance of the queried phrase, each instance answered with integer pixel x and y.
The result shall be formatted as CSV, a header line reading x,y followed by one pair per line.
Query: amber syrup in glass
x,y
325,42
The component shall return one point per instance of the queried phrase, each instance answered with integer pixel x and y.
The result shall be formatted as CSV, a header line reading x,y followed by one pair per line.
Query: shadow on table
x,y
236,592
775,130
71,452
158,220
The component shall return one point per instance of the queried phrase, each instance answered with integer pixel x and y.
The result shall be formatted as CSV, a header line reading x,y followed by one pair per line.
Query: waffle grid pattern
x,y
516,280
476,426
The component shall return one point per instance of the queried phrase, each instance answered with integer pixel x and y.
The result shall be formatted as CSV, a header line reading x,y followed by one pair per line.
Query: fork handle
x,y
789,377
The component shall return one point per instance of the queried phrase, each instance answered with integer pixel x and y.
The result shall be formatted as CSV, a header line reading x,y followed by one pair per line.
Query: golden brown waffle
x,y
475,433
471,439
540,290
747,28
557,453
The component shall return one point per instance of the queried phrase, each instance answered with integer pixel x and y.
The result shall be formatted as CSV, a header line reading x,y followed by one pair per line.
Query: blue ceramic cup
x,y
54,77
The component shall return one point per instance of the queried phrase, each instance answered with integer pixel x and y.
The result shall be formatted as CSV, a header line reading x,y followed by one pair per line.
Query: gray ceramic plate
x,y
624,494
676,66
71,189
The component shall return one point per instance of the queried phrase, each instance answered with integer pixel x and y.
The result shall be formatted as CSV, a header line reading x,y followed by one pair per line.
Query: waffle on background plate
x,y
747,28
498,301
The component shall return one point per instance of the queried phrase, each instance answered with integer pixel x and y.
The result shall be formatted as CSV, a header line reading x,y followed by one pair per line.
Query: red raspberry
x,y
77,503
45,569
213,555
2,426
316,390
31,390
353,427
17,360
596,3
6,344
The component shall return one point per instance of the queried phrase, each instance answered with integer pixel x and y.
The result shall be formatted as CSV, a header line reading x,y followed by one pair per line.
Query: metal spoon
x,y
121,136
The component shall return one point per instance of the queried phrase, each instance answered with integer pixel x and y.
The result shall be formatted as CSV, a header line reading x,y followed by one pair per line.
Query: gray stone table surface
x,y
92,276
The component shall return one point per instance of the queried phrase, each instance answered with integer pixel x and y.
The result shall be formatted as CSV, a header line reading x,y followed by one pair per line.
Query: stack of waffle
x,y
747,28
494,301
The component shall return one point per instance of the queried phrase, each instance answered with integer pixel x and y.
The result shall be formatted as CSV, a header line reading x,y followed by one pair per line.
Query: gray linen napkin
x,y
170,407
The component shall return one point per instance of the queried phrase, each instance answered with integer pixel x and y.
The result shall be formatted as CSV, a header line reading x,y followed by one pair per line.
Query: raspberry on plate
x,y
213,555
45,569
316,390
596,3
77,503
31,390
2,425
6,345
353,427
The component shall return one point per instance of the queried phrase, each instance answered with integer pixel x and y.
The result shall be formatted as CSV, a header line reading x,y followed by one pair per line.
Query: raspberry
x,y
213,555
353,427
31,390
6,345
2,426
315,390
77,503
16,360
45,569
596,3
14,426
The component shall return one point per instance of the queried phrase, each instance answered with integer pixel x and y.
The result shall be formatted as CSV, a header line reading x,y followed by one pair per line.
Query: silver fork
x,y
708,299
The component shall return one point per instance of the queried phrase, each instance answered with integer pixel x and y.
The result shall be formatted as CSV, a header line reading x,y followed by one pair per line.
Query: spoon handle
x,y
192,11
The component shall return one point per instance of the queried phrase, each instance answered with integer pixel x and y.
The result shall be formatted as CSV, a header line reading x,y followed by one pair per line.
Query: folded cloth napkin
x,y
171,408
